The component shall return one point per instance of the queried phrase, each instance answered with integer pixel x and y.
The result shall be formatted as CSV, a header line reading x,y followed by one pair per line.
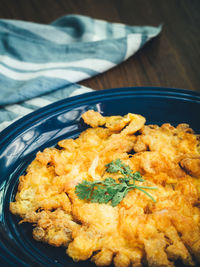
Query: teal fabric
x,y
44,63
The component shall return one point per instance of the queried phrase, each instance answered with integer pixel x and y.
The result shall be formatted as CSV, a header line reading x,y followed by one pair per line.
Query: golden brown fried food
x,y
137,231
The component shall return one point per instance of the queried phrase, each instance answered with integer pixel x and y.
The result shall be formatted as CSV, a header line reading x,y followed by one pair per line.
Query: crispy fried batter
x,y
136,232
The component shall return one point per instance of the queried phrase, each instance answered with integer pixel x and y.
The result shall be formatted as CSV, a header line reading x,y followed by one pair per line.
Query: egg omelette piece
x,y
137,231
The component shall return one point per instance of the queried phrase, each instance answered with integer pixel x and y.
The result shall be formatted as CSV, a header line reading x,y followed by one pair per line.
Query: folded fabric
x,y
40,64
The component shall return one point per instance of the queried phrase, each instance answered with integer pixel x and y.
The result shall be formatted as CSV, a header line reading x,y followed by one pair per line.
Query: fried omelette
x,y
136,232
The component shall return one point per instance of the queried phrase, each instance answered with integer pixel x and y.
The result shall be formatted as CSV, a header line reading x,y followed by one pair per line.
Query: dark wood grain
x,y
170,60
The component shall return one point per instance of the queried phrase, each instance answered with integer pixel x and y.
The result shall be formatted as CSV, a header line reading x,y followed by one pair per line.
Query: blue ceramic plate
x,y
45,127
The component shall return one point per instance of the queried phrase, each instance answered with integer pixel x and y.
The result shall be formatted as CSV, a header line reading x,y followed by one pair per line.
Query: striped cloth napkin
x,y
40,64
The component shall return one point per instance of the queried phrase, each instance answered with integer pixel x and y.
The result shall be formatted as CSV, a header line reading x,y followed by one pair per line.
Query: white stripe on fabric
x,y
80,91
17,109
85,88
69,75
90,63
38,102
100,30
119,30
133,44
5,124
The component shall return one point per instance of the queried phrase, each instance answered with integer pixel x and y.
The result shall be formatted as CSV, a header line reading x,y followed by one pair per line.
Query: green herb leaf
x,y
117,198
84,190
109,181
108,189
137,176
99,194
114,166
124,180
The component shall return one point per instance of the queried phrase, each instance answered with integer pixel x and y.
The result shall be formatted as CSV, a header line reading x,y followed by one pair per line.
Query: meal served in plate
x,y
122,192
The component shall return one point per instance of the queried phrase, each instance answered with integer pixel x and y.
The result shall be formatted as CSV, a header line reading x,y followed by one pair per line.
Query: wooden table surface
x,y
170,60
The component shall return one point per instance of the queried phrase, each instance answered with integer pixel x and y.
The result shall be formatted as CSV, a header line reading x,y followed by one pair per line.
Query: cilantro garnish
x,y
109,190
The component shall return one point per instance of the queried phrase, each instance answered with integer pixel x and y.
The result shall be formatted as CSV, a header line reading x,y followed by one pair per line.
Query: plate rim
x,y
10,130
13,130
